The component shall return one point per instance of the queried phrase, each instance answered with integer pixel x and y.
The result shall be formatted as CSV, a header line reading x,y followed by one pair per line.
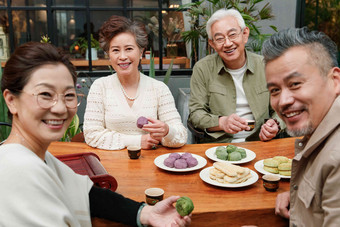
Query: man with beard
x,y
303,80
228,88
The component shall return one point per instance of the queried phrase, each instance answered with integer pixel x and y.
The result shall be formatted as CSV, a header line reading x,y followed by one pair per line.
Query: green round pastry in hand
x,y
234,156
184,206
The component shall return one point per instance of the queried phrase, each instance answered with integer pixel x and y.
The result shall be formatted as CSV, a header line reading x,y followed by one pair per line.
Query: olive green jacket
x,y
213,94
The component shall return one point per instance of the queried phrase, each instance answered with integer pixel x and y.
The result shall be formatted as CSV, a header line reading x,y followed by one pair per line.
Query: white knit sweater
x,y
110,123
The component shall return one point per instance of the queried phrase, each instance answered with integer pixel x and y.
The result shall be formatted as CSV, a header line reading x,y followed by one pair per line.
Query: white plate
x,y
159,162
204,175
210,153
259,167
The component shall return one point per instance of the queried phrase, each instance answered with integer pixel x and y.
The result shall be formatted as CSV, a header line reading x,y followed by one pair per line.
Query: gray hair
x,y
323,51
222,13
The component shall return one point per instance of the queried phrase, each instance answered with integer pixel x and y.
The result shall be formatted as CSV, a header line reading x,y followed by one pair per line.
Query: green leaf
x,y
152,65
72,130
168,72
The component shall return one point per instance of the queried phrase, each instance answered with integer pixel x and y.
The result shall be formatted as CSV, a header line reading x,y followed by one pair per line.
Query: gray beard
x,y
308,130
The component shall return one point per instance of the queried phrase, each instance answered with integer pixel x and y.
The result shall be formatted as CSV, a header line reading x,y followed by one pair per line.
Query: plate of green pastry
x,y
230,153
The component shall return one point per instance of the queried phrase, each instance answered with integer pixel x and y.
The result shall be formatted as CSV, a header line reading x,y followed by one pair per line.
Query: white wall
x,y
285,14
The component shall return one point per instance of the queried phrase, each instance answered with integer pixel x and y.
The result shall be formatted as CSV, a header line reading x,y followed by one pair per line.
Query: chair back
x,y
197,134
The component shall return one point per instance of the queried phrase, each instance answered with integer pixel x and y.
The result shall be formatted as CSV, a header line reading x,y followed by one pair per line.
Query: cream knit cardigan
x,y
110,123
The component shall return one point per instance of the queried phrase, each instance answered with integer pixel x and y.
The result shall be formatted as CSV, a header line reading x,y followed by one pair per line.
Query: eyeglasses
x,y
48,98
220,39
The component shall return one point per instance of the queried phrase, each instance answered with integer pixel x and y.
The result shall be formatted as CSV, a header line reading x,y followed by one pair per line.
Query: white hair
x,y
222,13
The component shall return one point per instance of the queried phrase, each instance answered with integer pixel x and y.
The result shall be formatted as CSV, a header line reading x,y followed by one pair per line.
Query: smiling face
x,y
299,94
39,124
125,54
232,53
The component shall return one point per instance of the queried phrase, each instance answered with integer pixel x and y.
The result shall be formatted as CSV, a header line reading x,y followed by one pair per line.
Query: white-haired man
x,y
229,87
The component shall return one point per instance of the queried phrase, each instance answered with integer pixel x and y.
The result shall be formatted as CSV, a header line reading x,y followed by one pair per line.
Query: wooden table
x,y
214,206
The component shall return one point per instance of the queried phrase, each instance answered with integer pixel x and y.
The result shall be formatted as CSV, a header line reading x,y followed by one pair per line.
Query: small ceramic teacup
x,y
134,152
271,182
153,195
251,124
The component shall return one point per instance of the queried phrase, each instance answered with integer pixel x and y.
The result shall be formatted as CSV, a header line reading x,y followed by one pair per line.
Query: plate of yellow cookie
x,y
237,178
272,167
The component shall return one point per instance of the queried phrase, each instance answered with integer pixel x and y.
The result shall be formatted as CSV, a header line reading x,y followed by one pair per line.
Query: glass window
x,y
143,3
28,3
28,26
69,3
323,15
4,47
174,3
150,20
69,27
109,3
175,47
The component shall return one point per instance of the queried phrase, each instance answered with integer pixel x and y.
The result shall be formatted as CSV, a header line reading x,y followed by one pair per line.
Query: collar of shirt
x,y
249,63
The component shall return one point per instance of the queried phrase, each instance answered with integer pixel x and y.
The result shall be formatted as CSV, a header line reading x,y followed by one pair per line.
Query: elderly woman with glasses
x,y
37,189
116,102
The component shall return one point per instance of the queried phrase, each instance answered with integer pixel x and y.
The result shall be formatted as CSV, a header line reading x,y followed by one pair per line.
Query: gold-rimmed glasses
x,y
48,98
233,35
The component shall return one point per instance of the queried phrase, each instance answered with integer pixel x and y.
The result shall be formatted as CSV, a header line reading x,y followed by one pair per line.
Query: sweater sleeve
x,y
95,132
31,195
168,113
113,206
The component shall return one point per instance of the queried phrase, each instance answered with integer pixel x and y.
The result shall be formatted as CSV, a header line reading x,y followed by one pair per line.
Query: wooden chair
x,y
78,138
198,134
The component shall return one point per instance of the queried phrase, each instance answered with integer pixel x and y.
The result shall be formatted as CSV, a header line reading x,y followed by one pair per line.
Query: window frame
x,y
87,9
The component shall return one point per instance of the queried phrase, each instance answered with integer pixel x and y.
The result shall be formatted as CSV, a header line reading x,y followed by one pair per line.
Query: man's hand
x,y
282,203
233,124
269,130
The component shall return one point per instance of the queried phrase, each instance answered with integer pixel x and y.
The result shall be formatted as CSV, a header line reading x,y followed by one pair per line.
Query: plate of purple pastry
x,y
180,162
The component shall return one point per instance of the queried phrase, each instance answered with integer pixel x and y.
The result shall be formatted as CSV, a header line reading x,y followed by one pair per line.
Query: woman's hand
x,y
164,214
157,129
269,130
148,142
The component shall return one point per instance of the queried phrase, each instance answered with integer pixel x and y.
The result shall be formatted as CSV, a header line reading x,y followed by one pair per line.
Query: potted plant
x,y
81,45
